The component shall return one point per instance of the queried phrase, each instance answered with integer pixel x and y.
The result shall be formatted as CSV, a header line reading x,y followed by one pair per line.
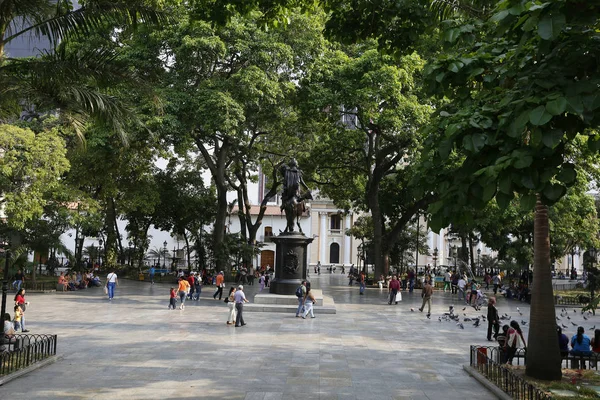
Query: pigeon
x,y
523,322
592,328
468,319
440,319
461,326
564,326
412,310
573,323
575,311
558,319
518,309
584,317
568,317
464,308
476,324
465,314
520,313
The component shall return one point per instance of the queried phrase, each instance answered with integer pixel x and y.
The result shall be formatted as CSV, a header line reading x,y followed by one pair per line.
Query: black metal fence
x,y
21,351
39,286
486,361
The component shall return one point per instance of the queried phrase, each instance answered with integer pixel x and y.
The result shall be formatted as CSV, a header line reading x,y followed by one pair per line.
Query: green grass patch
x,y
577,381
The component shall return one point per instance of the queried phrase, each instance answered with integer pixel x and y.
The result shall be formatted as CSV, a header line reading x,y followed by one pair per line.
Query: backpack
x,y
299,292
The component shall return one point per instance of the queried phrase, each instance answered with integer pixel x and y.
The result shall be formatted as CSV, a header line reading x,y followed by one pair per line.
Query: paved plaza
x,y
134,348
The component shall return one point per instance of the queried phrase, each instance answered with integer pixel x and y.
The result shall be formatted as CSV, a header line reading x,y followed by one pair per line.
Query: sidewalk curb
x,y
31,368
489,385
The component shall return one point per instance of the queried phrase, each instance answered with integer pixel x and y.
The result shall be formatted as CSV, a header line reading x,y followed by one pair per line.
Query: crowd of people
x,y
77,281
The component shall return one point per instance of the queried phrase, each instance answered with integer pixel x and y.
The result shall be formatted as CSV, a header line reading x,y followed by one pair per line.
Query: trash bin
x,y
141,277
482,355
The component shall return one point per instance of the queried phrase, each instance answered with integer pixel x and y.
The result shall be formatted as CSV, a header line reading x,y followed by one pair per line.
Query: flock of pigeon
x,y
453,316
565,314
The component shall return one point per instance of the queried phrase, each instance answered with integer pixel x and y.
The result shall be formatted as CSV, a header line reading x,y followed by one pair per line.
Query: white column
x,y
441,245
347,241
322,237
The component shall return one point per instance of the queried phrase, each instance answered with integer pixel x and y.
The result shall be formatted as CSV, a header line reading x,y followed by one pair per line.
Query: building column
x,y
347,238
441,245
322,237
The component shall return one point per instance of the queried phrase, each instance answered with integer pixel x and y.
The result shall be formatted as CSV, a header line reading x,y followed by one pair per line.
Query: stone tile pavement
x,y
134,348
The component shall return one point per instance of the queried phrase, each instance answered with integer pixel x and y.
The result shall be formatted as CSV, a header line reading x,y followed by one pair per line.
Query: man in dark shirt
x,y
393,288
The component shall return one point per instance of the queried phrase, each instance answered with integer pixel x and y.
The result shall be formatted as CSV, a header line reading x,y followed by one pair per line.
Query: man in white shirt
x,y
496,281
461,288
447,279
240,298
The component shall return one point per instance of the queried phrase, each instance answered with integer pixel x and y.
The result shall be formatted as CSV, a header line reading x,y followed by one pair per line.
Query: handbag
x,y
106,289
398,296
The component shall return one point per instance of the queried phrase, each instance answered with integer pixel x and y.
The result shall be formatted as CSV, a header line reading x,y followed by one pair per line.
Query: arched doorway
x,y
267,257
334,253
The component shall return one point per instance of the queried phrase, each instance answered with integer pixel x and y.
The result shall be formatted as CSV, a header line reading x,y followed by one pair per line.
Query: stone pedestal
x,y
291,258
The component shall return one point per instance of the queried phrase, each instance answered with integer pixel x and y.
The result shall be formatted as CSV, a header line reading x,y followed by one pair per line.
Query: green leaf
x,y
557,107
440,77
567,174
552,138
539,116
504,200
594,143
451,35
575,104
444,114
455,66
551,25
476,72
530,24
505,184
517,126
500,16
445,148
522,159
554,191
489,191
528,202
591,102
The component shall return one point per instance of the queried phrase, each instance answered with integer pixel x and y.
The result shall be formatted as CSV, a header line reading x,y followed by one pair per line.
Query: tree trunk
x,y
543,354
111,237
473,265
378,228
187,249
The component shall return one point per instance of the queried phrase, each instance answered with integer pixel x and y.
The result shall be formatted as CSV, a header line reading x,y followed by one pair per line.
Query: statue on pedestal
x,y
292,197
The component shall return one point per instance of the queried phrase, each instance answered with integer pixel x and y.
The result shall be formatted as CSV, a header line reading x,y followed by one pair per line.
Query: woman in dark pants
x,y
493,319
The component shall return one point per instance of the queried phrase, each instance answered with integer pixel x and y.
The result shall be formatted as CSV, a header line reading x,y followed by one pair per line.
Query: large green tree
x,y
365,110
523,84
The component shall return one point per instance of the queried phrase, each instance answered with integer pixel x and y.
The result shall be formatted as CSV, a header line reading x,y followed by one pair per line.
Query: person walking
x,y
261,281
309,300
151,273
19,280
197,288
172,298
462,284
300,294
496,282
447,280
411,280
192,282
111,281
426,295
393,289
182,291
361,282
240,298
220,282
493,319
22,303
230,300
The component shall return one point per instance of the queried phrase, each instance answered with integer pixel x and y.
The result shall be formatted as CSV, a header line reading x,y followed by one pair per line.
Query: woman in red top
x,y
20,301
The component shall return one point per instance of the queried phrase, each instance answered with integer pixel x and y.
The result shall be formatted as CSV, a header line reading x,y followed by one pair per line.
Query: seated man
x,y
8,333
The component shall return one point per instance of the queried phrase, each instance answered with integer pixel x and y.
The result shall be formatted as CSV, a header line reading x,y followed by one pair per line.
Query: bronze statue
x,y
292,197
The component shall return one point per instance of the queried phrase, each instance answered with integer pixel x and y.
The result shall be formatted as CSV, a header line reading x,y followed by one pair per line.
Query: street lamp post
x,y
435,257
5,282
478,259
129,253
173,262
100,242
455,251
164,255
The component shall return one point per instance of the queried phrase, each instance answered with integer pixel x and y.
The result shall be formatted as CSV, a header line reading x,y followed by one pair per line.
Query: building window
x,y
264,187
334,253
335,223
268,231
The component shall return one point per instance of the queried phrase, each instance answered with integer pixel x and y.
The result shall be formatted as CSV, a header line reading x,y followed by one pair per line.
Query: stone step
x,y
285,299
280,308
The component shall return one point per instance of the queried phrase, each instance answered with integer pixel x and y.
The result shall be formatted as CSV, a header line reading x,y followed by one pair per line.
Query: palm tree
x,y
57,80
158,253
